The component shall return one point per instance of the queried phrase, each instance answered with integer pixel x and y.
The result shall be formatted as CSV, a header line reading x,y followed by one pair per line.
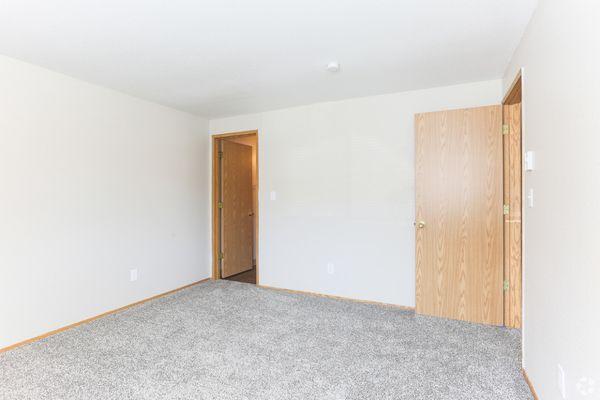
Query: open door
x,y
459,214
236,208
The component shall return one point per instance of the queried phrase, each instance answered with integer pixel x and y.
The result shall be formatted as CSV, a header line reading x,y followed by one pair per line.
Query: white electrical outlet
x,y
330,268
273,195
133,275
561,381
586,386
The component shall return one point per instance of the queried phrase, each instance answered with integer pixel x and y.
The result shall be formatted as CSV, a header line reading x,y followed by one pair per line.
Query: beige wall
x,y
93,183
560,57
343,173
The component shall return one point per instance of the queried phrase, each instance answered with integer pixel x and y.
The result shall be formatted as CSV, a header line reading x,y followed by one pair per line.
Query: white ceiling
x,y
226,57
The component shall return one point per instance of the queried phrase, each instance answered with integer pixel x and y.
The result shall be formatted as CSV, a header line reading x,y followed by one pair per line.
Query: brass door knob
x,y
420,224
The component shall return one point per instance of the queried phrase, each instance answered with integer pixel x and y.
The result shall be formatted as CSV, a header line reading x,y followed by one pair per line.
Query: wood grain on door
x,y
459,214
237,208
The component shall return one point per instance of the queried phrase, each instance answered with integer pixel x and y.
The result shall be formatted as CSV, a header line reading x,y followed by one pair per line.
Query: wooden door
x,y
236,208
512,220
459,210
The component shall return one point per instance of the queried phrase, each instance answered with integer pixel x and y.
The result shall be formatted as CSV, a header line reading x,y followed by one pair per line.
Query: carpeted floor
x,y
227,340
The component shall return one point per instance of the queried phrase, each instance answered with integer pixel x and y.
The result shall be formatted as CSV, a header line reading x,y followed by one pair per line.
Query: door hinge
x,y
220,154
505,129
506,209
220,204
221,256
506,285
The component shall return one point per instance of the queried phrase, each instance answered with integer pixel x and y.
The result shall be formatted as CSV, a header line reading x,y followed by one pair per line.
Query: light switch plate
x,y
560,374
529,160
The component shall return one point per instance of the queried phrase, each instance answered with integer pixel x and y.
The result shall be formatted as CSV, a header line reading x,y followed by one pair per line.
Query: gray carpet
x,y
228,340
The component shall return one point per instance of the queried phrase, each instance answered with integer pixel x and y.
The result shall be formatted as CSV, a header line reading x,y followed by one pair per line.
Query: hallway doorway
x,y
235,206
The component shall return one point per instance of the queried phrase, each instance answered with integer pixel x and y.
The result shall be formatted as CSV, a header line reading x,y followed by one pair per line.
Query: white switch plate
x,y
561,381
530,198
529,160
133,275
273,195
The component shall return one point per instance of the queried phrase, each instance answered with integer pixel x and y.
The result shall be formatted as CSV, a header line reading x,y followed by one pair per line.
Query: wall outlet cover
x,y
133,275
330,268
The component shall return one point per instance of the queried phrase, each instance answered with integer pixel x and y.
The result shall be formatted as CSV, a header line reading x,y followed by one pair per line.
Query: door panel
x,y
237,210
459,254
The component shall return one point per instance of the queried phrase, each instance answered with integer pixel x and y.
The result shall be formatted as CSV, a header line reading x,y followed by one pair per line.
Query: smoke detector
x,y
333,66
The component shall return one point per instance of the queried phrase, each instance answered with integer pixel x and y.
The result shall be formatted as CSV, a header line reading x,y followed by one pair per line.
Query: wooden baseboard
x,y
64,328
406,308
535,396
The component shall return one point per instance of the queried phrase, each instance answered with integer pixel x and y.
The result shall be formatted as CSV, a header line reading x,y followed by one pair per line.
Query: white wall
x,y
93,183
344,177
560,54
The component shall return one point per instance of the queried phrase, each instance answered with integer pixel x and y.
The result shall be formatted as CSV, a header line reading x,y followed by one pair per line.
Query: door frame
x,y
513,95
216,226
515,89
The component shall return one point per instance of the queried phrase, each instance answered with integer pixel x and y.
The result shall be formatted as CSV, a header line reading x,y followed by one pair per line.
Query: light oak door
x,y
459,214
236,208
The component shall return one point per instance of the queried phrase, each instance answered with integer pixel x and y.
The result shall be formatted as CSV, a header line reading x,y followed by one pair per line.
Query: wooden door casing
x,y
459,251
512,220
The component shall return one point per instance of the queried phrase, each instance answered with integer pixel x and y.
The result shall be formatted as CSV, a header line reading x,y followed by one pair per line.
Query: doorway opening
x,y
235,206
512,177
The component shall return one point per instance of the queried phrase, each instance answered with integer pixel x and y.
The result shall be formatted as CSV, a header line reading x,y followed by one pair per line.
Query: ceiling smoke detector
x,y
333,66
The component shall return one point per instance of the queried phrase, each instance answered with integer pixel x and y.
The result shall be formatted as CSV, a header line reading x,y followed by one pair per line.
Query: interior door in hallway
x,y
236,208
459,214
